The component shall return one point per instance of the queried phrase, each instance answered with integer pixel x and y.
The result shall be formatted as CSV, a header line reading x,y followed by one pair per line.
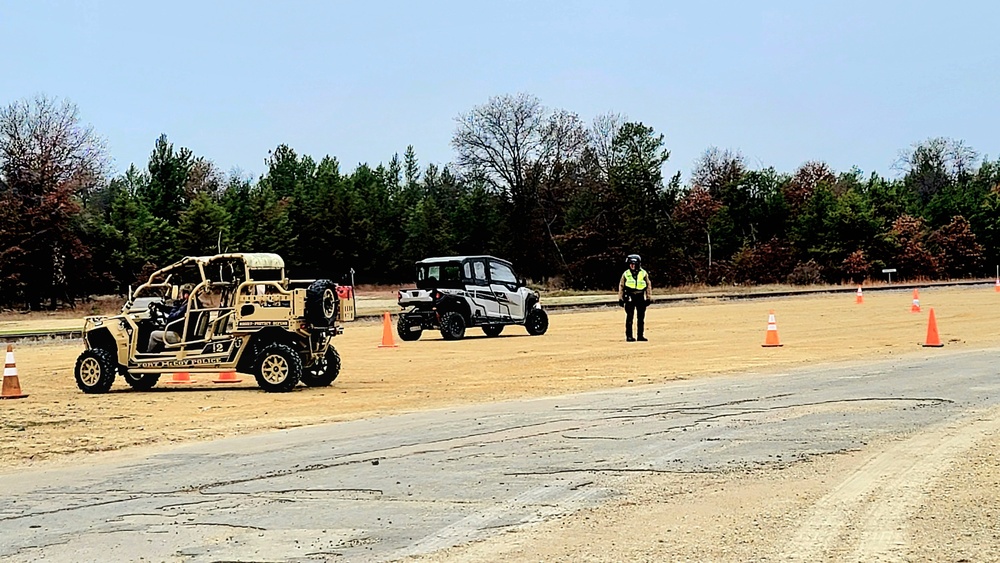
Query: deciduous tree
x,y
48,159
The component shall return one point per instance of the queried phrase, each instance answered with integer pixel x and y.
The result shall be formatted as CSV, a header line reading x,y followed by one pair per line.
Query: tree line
x,y
565,200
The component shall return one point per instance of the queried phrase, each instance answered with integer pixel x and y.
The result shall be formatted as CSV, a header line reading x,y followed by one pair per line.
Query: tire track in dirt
x,y
864,517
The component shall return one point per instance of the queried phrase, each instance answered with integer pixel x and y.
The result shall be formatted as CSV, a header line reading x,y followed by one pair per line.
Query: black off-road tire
x,y
277,368
492,330
452,325
537,322
141,382
95,371
404,328
322,303
322,374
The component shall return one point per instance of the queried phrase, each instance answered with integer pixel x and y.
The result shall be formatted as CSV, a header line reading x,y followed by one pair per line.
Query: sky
x,y
849,83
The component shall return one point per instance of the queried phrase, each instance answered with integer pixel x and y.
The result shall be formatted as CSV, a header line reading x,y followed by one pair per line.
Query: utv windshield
x,y
439,274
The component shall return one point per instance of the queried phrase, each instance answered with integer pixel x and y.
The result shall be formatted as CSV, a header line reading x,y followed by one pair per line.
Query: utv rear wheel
x,y
492,330
452,325
95,371
407,329
277,368
537,322
323,372
321,303
141,382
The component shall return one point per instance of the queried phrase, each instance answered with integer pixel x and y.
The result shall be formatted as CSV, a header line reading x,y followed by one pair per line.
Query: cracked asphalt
x,y
388,488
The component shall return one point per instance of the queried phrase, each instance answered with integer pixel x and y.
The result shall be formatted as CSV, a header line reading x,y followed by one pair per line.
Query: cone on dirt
x,y
771,340
915,307
227,377
180,378
933,340
11,386
387,339
859,299
996,287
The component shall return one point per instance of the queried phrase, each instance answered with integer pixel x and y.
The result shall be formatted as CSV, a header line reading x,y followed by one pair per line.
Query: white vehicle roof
x,y
438,259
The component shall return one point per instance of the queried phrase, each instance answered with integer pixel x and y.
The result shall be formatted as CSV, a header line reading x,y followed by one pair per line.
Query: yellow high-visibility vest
x,y
638,282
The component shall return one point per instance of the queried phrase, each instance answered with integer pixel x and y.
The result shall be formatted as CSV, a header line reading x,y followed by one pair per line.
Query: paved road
x,y
382,489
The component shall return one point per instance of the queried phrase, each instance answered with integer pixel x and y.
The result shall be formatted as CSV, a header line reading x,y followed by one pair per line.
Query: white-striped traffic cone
x,y
11,386
771,339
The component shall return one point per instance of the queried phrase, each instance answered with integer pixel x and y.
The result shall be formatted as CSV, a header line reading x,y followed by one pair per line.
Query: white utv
x,y
453,293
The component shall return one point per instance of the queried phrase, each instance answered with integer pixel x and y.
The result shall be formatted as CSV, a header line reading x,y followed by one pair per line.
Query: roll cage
x,y
218,282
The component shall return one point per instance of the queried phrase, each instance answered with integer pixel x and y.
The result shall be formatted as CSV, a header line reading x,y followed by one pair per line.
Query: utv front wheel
x,y
452,325
408,330
492,330
537,322
95,371
277,368
322,373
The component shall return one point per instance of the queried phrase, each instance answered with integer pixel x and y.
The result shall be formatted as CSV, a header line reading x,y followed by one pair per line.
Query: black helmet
x,y
634,259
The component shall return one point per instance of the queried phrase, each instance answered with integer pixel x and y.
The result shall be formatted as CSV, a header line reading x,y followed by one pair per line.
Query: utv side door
x,y
483,303
210,324
504,284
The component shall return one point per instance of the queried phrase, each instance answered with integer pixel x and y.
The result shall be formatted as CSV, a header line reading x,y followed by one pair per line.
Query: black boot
x,y
642,338
628,337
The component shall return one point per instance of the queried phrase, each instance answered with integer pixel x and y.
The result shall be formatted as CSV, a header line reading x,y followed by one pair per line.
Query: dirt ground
x,y
945,511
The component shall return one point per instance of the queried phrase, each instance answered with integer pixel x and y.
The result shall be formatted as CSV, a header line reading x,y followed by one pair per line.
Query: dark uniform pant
x,y
635,303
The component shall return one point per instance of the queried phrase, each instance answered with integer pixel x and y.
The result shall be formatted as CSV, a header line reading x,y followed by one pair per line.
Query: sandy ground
x,y
765,515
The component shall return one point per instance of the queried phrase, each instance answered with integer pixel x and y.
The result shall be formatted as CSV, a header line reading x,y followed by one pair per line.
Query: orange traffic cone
x,y
227,377
933,340
996,287
180,378
387,338
11,387
915,307
771,340
859,299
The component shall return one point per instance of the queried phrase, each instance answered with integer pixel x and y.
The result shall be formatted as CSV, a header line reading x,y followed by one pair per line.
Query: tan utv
x,y
241,315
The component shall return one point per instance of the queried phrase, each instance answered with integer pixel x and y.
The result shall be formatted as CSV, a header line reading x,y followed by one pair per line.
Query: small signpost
x,y
890,272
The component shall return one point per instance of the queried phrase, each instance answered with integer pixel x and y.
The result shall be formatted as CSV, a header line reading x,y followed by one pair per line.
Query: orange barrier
x,y
771,340
387,339
345,292
933,340
915,307
180,378
860,298
996,287
227,377
11,386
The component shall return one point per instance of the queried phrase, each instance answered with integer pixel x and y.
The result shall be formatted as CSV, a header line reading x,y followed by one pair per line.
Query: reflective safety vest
x,y
637,283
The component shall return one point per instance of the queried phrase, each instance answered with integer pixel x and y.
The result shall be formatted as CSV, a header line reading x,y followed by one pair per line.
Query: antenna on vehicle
x,y
219,245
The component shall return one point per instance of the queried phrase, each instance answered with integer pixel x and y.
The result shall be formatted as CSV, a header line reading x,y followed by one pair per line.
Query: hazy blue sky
x,y
851,83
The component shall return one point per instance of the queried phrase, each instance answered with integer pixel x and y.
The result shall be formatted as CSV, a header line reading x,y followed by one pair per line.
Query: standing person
x,y
634,293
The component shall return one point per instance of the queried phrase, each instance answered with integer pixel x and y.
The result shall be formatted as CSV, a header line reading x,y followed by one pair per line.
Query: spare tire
x,y
322,303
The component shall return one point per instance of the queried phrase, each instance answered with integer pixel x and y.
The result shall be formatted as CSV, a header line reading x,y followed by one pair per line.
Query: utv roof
x,y
253,260
439,259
